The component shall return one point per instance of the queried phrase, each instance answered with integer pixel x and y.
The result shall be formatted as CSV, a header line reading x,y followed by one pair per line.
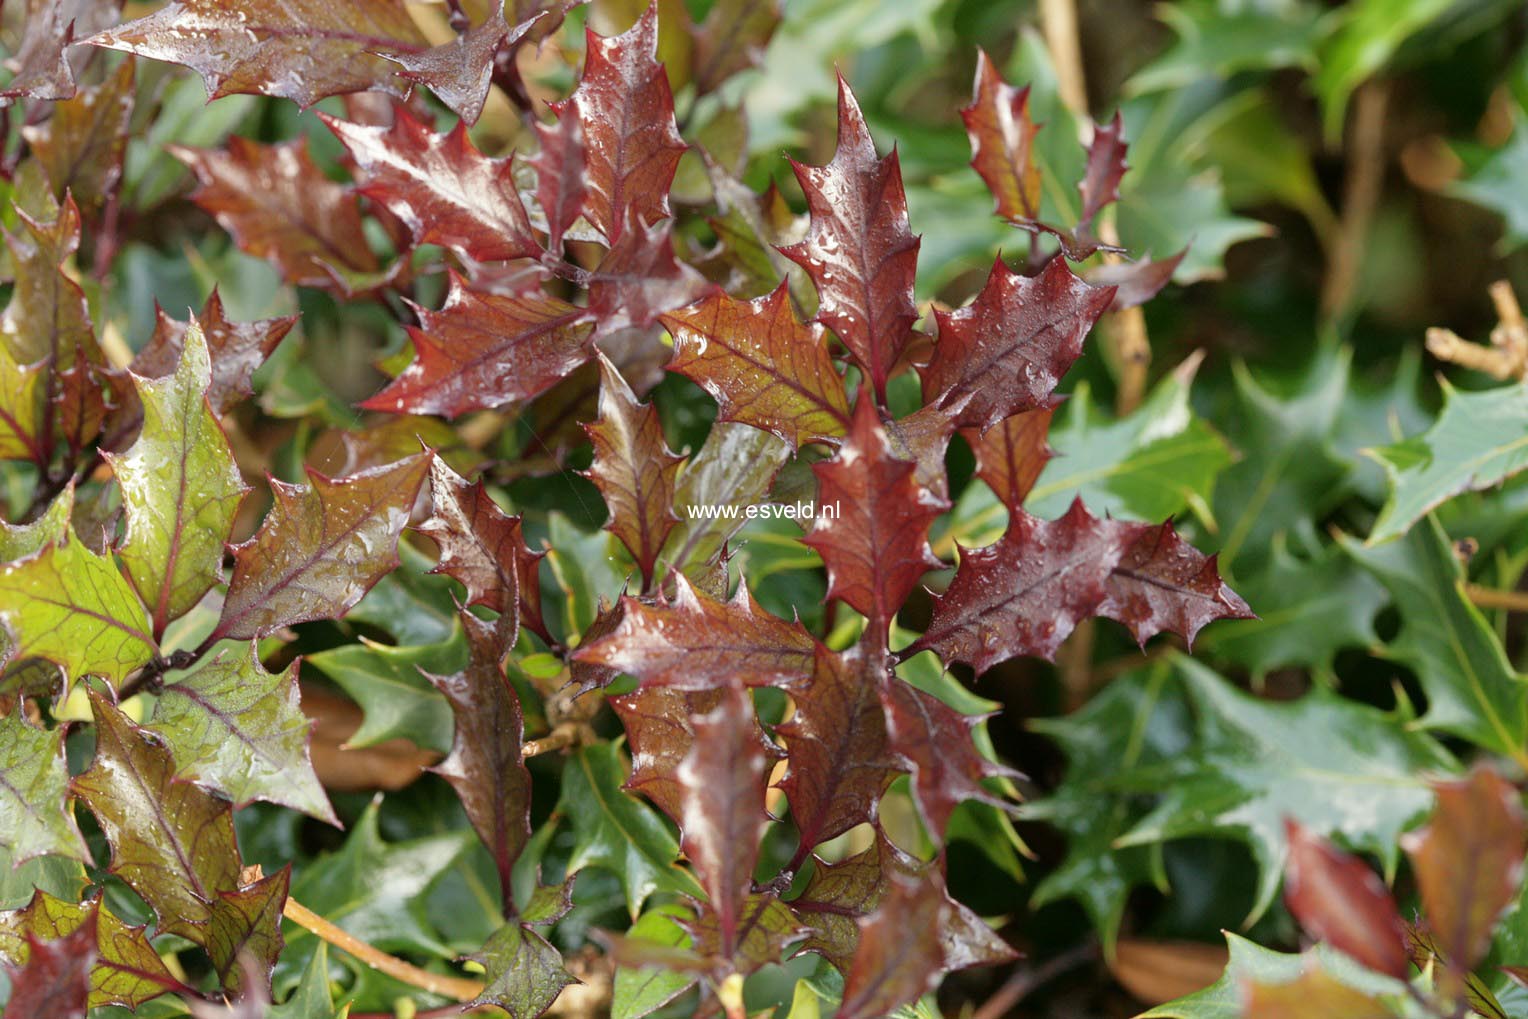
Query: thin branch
x,y
1491,598
1024,980
565,735
1506,357
455,988
1365,179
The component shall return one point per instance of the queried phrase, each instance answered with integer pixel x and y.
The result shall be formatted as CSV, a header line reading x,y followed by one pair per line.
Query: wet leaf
x,y
859,249
482,350
1002,142
245,930
1011,454
441,186
764,367
172,842
180,489
44,68
320,548
82,144
301,50
239,730
460,71
235,349
731,39
55,979
34,789
634,470
525,974
1338,899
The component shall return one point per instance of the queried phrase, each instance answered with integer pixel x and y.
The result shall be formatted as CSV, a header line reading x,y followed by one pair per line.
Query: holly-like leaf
x,y
1338,899
634,470
640,279
660,730
482,546
441,186
34,790
1006,351
43,66
385,681
764,367
1100,182
1472,689
859,250
82,144
695,642
1313,992
180,489
560,185
279,206
875,545
1002,143
172,842
734,467
23,405
1025,593
55,979
613,831
126,970
1469,863
1011,454
245,924
1341,769
482,350
721,802
312,998
460,71
1479,440
239,730
765,928
840,763
934,740
525,974
626,114
72,607
46,318
321,547
303,50
731,39
235,349
485,766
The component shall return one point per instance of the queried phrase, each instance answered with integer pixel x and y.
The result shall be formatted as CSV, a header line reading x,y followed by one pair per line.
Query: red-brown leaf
x,y
934,740
560,185
1011,454
236,349
1468,862
483,547
858,249
631,142
696,642
279,206
924,437
1002,143
1135,283
43,64
82,144
764,367
441,186
303,50
875,547
1006,351
721,783
839,761
1106,166
1161,582
660,729
732,39
55,981
634,470
485,766
459,72
1338,899
483,350
321,547
639,279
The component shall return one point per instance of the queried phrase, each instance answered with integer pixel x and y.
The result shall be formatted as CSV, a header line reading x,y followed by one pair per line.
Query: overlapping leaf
x,y
34,789
859,249
321,547
460,71
763,366
447,191
43,65
235,349
81,146
482,350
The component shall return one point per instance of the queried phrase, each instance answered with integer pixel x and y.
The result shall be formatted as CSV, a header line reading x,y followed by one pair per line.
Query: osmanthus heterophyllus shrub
x,y
158,600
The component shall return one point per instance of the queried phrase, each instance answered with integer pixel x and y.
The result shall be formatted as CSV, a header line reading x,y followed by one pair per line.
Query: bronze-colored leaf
x,y
1002,143
82,144
1011,454
1340,900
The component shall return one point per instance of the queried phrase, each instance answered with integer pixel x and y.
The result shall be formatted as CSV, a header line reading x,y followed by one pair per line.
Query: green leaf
x,y
240,730
34,788
643,990
17,541
247,924
74,608
172,842
1216,42
1308,609
399,702
613,830
525,974
1369,33
311,999
1497,184
1138,720
1250,962
180,488
1472,689
1478,440
1339,768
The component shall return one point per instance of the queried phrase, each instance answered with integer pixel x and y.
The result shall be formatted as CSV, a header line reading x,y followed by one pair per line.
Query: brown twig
x,y
564,735
455,988
1025,979
1365,179
1491,598
1506,357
